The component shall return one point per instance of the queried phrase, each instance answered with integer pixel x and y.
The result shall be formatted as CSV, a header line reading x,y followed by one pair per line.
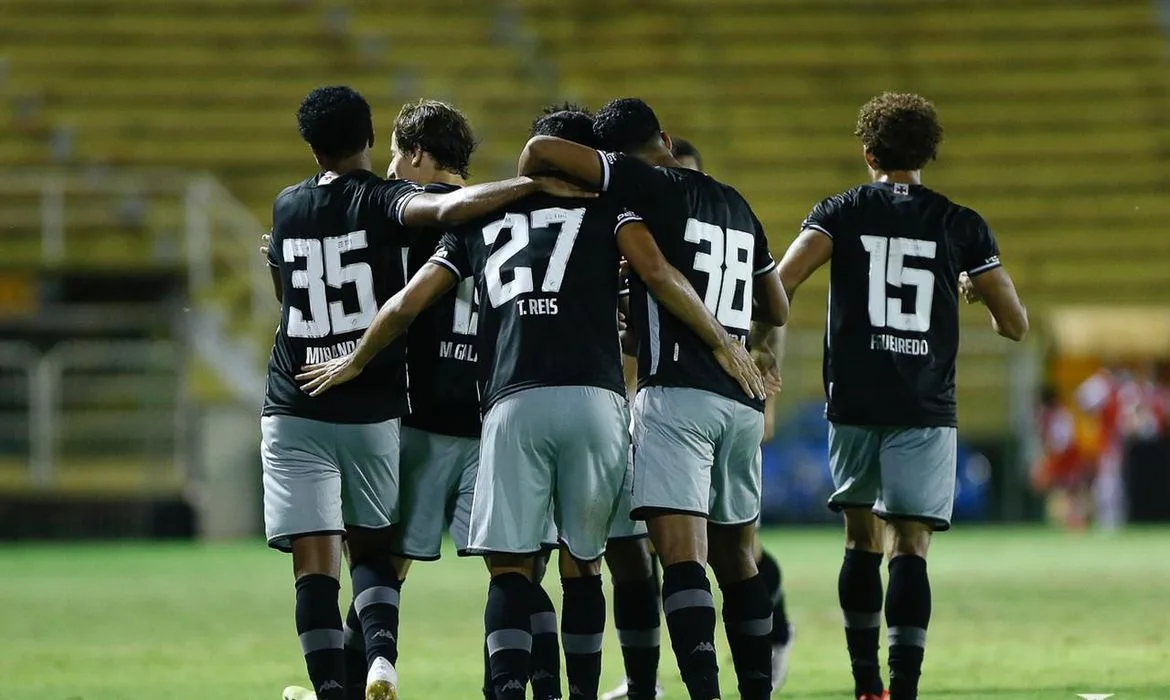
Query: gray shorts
x,y
696,452
624,527
438,483
320,478
900,472
560,448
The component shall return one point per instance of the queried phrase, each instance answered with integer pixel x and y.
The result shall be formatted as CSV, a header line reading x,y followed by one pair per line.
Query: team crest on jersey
x,y
901,188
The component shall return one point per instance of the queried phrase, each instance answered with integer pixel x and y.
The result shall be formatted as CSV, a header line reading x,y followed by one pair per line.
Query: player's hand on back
x,y
769,369
265,242
737,362
557,187
323,376
967,289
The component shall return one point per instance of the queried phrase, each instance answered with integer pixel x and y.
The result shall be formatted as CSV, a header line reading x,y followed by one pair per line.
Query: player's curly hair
x,y
568,121
681,148
438,129
626,124
335,121
900,130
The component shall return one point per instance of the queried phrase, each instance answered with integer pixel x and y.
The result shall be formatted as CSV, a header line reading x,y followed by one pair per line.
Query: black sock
x,y
319,627
859,590
376,591
582,630
489,693
545,673
355,657
770,572
747,616
907,616
690,617
636,616
508,623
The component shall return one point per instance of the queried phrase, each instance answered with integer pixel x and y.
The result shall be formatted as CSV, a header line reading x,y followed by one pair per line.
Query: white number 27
x,y
500,292
887,267
323,267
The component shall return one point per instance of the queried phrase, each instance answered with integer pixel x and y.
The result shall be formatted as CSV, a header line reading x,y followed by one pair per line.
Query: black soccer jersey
x,y
338,243
706,230
441,351
892,334
546,271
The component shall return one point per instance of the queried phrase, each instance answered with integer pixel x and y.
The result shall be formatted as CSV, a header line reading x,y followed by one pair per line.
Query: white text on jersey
x,y
329,352
902,346
457,351
537,307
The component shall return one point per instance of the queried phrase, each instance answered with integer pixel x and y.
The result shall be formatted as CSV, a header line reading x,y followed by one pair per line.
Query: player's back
x,y
441,350
338,245
893,321
546,271
708,231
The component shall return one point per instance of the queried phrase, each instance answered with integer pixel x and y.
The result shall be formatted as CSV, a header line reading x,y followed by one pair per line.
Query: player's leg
x,y
918,487
509,520
303,514
636,594
782,629
636,612
369,458
592,461
854,460
736,481
545,669
674,438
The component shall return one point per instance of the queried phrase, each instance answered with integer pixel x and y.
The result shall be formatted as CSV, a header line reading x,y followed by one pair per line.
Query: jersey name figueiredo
x,y
892,333
708,231
338,243
546,272
441,350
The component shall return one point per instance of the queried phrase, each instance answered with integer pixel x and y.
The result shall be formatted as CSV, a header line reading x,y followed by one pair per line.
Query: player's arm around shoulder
x,y
422,208
544,154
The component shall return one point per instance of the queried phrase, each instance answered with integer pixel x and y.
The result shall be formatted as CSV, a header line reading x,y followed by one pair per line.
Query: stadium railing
x,y
154,218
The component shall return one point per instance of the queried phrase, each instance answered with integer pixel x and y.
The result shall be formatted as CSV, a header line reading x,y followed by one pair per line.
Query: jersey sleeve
x,y
634,184
824,217
270,256
977,247
625,217
452,255
764,262
391,198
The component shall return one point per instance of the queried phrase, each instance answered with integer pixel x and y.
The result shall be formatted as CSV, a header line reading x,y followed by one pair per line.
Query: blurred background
x,y
143,141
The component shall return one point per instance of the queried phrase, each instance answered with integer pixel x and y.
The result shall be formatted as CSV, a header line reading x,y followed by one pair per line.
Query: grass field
x,y
1017,614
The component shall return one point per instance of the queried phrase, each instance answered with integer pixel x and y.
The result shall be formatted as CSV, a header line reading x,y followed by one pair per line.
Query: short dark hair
x,y
335,121
626,124
900,130
438,129
681,148
568,121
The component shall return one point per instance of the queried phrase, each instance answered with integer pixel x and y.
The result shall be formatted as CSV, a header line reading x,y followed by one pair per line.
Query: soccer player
x,y
696,434
637,621
900,254
330,463
555,422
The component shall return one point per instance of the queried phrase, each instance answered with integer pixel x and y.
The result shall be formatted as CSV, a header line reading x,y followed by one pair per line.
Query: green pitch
x,y
1017,614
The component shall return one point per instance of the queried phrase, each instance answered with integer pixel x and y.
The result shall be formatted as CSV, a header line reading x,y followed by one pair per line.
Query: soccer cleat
x,y
780,654
296,692
382,681
623,691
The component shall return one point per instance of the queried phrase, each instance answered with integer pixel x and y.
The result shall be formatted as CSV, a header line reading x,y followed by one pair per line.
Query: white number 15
x,y
887,267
